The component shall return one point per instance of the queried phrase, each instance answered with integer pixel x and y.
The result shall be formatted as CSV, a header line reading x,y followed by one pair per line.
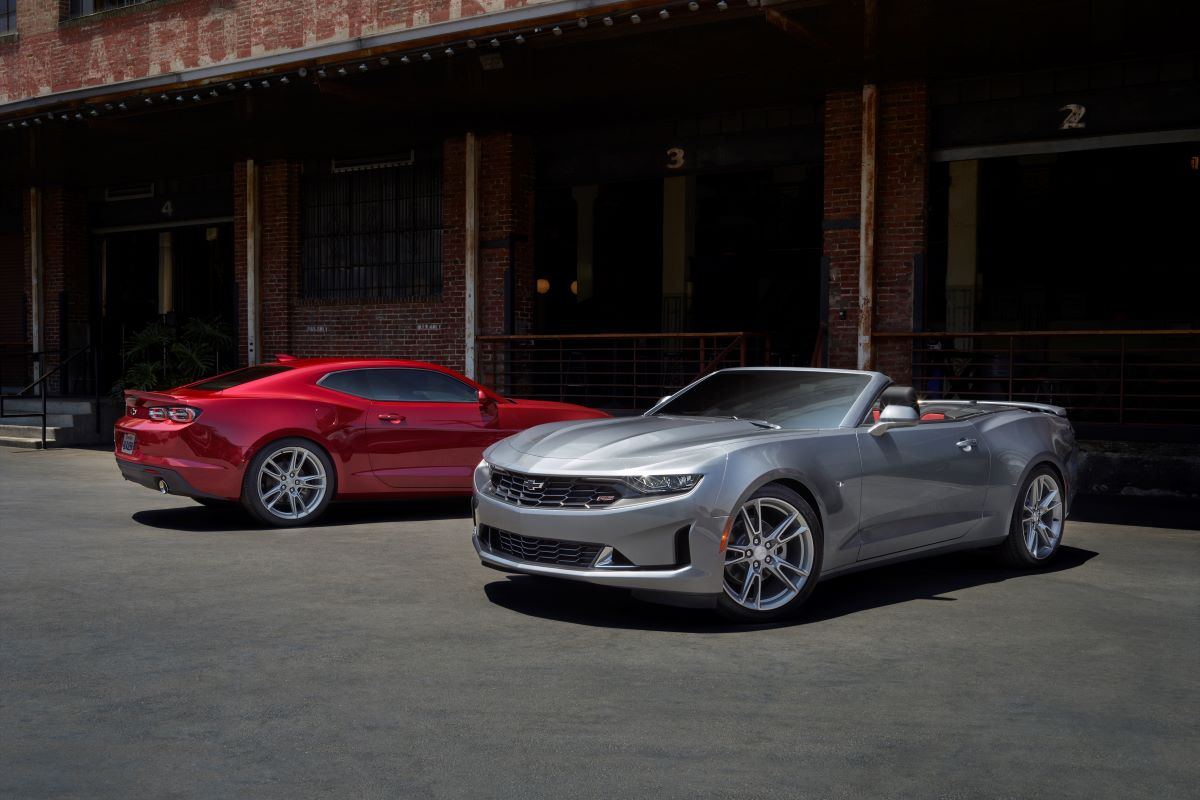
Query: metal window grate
x,y
374,232
8,16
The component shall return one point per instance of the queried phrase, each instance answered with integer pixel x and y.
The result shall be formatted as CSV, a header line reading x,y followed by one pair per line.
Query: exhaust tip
x,y
162,486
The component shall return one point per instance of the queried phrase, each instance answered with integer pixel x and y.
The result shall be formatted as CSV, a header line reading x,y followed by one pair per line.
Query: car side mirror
x,y
483,398
895,417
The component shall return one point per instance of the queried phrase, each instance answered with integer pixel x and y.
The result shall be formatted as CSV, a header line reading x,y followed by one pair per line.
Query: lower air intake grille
x,y
542,551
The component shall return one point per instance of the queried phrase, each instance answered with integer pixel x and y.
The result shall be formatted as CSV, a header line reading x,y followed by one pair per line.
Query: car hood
x,y
636,439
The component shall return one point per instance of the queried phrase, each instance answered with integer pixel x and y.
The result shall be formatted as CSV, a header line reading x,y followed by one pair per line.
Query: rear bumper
x,y
157,477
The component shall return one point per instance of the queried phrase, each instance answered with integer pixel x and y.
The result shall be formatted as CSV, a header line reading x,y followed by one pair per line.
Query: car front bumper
x,y
667,545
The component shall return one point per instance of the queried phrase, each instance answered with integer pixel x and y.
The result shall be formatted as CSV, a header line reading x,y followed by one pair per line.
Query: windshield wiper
x,y
762,423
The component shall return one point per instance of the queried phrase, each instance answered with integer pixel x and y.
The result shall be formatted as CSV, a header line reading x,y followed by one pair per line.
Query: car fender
x,y
828,466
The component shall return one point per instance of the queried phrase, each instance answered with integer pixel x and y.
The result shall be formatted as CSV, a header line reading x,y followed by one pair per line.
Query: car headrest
x,y
899,396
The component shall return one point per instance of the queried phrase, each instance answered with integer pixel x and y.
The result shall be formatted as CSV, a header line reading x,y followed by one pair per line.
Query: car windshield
x,y
237,378
779,397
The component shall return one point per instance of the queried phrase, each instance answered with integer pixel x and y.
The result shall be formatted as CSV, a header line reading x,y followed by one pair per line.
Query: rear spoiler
x,y
157,397
1057,411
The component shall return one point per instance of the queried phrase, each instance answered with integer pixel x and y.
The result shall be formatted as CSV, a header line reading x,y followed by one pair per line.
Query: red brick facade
x,y
165,36
901,199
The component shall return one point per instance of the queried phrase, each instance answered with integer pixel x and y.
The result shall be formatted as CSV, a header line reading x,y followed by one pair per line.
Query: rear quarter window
x,y
238,377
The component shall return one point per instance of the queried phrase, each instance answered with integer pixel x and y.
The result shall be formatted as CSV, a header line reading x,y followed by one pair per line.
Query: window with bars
x,y
8,16
82,8
373,229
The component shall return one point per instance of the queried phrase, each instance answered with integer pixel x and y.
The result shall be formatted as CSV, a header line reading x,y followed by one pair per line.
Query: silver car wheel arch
x,y
1042,516
772,550
291,483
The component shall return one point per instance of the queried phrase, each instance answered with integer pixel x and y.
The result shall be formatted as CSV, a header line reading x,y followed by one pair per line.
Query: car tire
x,y
289,482
1036,528
765,552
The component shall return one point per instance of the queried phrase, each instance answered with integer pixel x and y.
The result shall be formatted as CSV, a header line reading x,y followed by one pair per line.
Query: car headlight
x,y
663,484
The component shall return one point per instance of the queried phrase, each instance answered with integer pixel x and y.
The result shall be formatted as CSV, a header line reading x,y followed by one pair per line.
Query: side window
x,y
418,386
353,381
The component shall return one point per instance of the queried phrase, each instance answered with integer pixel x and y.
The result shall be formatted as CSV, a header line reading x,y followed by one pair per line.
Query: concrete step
x,y
54,405
31,436
55,420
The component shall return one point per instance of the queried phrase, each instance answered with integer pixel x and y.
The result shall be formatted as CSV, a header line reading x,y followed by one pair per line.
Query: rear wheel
x,y
1037,522
290,482
773,556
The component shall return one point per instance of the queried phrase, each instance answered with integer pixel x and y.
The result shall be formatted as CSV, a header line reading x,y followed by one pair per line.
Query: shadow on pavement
x,y
927,579
1182,513
223,519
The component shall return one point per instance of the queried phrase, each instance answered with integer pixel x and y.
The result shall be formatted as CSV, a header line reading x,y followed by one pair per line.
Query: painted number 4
x,y
1074,119
168,210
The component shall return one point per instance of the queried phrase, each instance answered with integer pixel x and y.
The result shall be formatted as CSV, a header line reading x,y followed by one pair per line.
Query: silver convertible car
x,y
747,487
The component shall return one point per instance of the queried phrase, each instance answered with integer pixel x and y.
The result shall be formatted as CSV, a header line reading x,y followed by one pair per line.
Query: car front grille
x,y
552,491
541,551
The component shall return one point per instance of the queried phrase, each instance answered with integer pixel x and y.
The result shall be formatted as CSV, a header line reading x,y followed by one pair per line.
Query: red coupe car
x,y
285,439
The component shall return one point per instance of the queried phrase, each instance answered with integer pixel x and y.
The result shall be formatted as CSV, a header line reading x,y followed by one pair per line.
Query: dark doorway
x,y
137,288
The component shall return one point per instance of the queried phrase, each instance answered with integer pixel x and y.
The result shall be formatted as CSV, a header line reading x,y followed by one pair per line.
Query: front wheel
x,y
1037,522
289,482
773,556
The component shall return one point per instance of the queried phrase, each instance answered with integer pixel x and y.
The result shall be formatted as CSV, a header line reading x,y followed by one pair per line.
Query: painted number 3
x,y
675,158
1074,118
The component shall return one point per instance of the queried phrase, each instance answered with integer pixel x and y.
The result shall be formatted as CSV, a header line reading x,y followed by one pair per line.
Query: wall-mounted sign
x,y
1074,118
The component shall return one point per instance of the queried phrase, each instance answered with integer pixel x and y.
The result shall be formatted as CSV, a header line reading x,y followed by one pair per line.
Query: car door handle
x,y
967,445
395,419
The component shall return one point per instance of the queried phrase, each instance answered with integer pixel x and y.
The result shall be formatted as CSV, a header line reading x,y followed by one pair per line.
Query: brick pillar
x,y
280,255
65,276
239,256
506,189
901,224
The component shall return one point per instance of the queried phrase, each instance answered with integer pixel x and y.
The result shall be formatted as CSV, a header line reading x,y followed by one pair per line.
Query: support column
x,y
866,229
37,255
471,258
253,240
962,248
679,245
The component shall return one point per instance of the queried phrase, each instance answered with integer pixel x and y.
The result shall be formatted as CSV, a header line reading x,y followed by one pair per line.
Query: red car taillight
x,y
174,413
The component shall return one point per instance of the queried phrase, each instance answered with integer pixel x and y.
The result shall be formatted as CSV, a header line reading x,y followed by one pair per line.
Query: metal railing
x,y
612,371
41,383
1141,377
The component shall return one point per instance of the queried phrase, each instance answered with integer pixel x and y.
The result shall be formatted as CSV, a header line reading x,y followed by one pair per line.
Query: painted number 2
x,y
1074,118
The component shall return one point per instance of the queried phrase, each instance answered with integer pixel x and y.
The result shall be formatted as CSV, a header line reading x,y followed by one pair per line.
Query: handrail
x,y
54,371
38,382
969,334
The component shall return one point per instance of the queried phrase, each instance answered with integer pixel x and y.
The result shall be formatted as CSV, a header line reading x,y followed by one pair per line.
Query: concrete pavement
x,y
150,647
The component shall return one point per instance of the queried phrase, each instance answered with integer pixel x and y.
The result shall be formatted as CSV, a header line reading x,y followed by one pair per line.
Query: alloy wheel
x,y
1042,516
769,556
291,483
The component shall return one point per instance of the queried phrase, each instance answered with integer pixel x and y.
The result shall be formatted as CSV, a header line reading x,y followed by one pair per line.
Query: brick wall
x,y
361,327
900,223
166,36
66,272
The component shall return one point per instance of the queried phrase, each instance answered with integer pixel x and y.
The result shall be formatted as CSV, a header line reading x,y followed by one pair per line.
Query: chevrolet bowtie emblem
x,y
533,486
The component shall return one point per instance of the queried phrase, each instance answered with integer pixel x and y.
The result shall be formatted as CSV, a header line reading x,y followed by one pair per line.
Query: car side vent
x,y
683,546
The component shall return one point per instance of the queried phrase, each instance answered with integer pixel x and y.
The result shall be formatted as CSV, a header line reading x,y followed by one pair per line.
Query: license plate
x,y
127,442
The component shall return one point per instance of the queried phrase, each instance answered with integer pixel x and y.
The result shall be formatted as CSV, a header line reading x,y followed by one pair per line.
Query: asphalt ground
x,y
152,648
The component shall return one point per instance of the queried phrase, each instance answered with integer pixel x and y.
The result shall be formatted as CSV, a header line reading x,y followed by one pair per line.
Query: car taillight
x,y
182,413
174,413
